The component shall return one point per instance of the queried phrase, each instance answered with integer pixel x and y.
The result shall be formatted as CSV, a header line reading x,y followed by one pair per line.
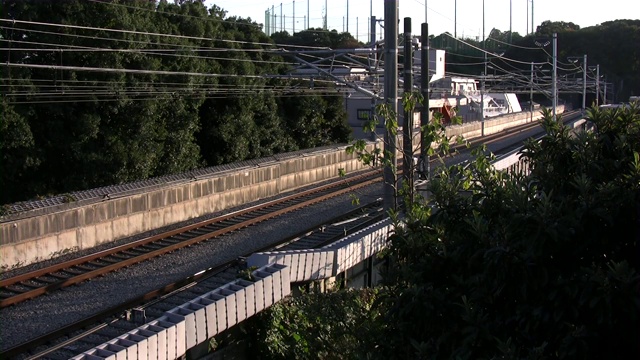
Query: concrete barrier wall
x,y
495,124
37,238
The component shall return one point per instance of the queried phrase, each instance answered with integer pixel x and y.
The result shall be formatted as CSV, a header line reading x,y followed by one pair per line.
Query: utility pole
x,y
604,96
533,30
308,17
281,19
347,15
555,75
510,21
267,17
326,15
407,126
531,94
527,18
372,34
584,83
455,19
391,97
426,20
273,23
424,82
294,17
482,75
598,85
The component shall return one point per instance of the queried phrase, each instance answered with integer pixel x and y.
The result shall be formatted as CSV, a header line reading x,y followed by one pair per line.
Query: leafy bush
x,y
539,266
332,325
506,266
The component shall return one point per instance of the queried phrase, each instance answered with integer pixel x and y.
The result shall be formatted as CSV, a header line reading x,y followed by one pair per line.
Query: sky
x,y
440,14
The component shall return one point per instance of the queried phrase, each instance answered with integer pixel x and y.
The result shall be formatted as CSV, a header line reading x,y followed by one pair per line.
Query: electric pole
x,y
584,84
391,98
407,126
554,90
424,115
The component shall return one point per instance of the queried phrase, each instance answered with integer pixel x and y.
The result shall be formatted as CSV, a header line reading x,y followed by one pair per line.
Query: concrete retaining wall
x,y
36,238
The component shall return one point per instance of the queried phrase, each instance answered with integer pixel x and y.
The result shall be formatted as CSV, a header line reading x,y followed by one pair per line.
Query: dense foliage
x,y
333,325
543,266
317,38
152,104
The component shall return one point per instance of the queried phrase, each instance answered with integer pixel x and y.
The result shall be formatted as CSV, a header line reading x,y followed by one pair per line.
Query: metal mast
x,y
407,126
391,97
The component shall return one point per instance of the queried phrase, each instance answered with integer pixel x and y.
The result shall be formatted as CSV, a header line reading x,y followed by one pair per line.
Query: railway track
x,y
81,336
30,285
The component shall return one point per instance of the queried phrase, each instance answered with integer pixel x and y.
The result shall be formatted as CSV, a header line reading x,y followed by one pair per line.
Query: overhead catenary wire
x,y
155,52
147,43
512,45
156,34
491,53
157,98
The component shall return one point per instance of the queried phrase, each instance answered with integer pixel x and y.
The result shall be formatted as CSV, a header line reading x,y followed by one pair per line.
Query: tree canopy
x,y
101,93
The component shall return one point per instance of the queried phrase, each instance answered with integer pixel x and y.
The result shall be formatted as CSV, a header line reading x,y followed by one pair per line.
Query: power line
x,y
489,52
155,34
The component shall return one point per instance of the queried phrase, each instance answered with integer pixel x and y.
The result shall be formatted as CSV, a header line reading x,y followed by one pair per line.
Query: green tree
x,y
519,266
547,27
19,157
332,325
526,266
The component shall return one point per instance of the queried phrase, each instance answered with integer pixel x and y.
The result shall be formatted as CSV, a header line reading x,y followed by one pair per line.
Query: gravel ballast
x,y
44,314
